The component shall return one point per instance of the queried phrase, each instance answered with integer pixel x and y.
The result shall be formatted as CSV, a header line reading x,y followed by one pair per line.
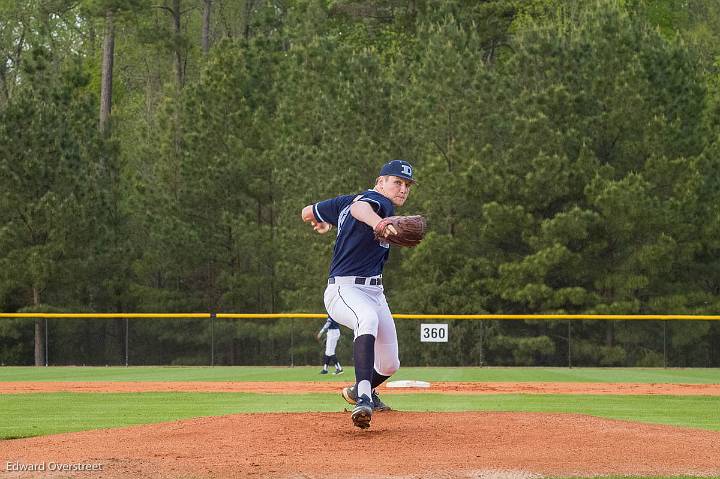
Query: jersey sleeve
x,y
328,211
380,204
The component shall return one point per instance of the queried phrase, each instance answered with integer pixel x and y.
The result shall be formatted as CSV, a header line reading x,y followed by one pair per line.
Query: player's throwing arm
x,y
309,217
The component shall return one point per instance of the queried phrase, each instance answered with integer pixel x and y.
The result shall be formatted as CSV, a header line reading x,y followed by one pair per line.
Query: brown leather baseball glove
x,y
401,230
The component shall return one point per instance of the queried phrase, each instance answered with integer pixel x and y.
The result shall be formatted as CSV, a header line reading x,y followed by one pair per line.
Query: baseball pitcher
x,y
354,296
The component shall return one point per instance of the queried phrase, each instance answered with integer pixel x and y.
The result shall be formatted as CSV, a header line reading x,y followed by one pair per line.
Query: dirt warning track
x,y
333,387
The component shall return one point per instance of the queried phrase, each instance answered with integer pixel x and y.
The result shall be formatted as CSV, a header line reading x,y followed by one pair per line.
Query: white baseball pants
x,y
333,335
364,309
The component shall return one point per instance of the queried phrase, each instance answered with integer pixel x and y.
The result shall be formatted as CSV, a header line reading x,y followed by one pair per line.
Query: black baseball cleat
x,y
378,405
362,412
350,395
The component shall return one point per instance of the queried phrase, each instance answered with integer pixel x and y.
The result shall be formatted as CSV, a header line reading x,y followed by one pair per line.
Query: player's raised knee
x,y
389,368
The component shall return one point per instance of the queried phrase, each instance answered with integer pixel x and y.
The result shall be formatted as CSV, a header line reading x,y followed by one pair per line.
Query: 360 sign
x,y
434,333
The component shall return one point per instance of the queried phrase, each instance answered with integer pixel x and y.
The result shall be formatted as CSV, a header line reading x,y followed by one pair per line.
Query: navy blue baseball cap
x,y
399,168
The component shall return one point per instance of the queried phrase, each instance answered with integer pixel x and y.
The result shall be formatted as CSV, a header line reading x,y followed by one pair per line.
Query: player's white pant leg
x,y
331,341
387,360
353,306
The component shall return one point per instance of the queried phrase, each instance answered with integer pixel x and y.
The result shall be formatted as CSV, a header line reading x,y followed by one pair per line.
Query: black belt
x,y
361,280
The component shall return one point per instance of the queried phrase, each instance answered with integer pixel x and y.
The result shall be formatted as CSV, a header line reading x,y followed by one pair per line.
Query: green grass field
x,y
307,373
24,415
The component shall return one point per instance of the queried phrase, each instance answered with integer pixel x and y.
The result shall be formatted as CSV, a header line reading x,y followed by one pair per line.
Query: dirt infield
x,y
332,387
399,444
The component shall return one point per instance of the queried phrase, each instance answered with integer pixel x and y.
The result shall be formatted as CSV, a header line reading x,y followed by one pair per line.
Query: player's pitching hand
x,y
321,227
309,217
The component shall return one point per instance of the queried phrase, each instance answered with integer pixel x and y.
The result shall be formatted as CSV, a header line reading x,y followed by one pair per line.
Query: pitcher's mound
x,y
404,444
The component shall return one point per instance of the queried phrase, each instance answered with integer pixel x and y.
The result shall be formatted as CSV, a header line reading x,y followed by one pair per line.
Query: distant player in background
x,y
333,335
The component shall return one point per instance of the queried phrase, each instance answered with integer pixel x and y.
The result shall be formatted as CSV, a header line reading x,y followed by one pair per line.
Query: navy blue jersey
x,y
357,252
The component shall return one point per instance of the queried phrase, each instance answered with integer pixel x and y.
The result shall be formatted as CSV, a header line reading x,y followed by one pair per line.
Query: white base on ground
x,y
408,384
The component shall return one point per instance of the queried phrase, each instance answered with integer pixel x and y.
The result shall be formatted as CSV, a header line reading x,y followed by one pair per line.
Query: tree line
x,y
155,155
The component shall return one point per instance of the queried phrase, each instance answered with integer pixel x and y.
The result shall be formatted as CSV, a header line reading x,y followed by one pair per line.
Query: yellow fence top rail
x,y
104,315
628,317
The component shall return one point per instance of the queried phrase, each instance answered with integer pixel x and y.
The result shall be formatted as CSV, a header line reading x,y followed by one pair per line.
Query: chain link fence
x,y
284,340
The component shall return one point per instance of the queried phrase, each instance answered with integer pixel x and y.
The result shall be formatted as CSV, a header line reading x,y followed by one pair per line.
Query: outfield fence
x,y
658,340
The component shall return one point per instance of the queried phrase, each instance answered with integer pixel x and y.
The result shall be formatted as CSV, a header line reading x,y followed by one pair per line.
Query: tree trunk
x,y
39,332
107,73
8,77
4,89
271,202
179,70
206,27
249,5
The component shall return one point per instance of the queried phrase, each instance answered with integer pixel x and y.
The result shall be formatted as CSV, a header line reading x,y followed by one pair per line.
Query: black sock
x,y
364,356
326,360
377,379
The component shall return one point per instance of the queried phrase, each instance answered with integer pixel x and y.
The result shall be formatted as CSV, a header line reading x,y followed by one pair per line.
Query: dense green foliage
x,y
567,154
